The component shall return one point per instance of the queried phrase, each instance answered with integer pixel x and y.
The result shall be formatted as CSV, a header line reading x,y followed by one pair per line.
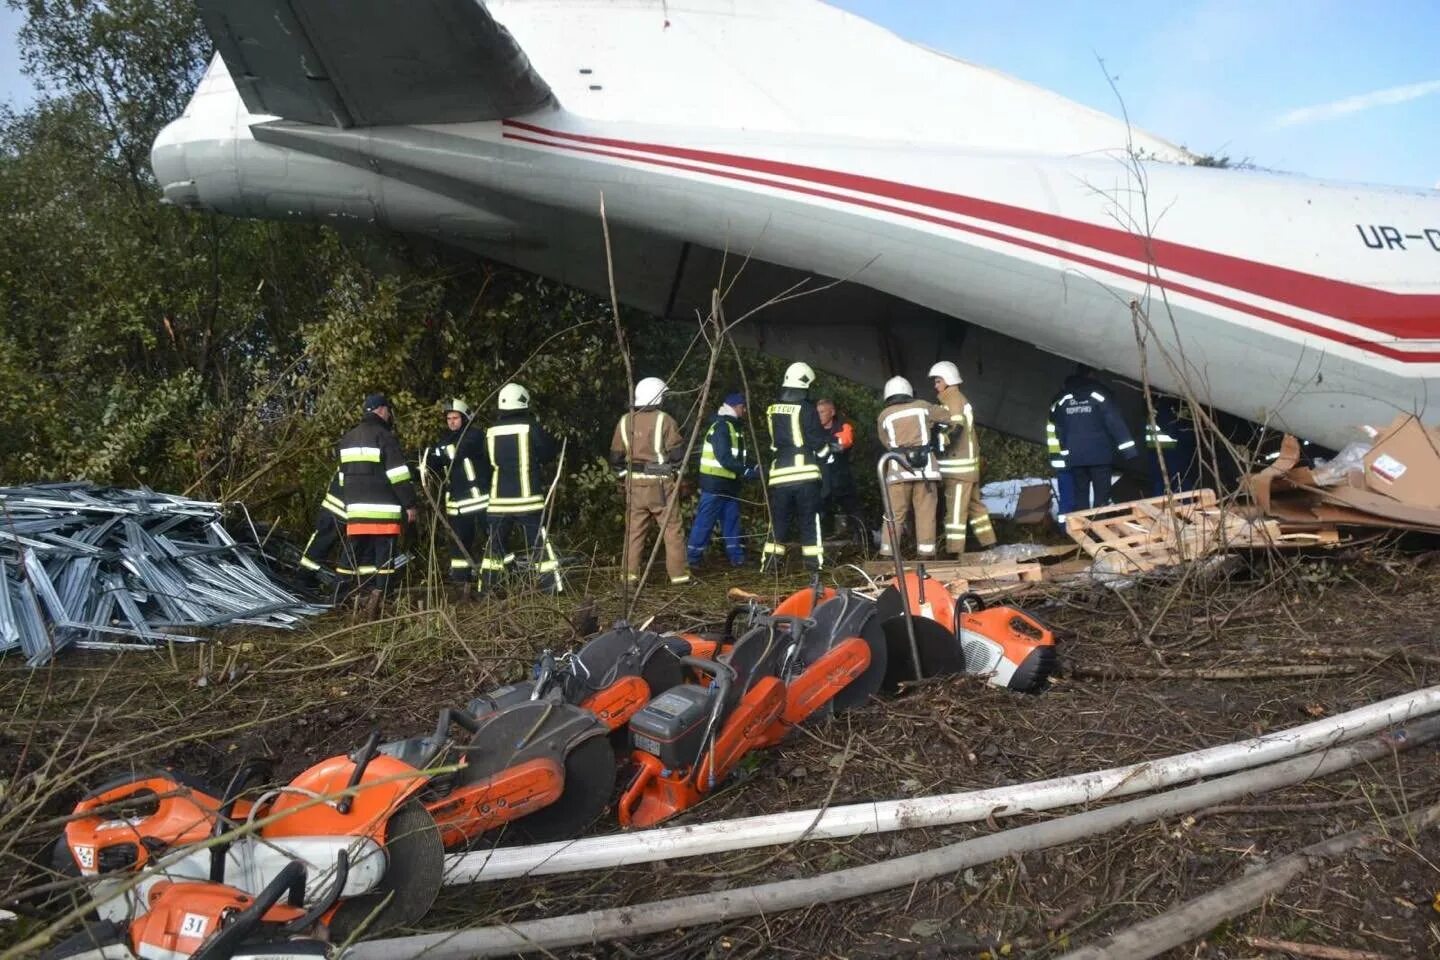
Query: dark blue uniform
x,y
1089,433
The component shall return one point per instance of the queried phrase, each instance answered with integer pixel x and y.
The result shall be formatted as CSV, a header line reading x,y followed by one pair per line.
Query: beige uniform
x,y
960,470
906,427
649,436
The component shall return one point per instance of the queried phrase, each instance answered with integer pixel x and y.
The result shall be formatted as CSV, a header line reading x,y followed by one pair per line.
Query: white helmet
x,y
948,372
649,392
800,375
898,387
514,397
458,406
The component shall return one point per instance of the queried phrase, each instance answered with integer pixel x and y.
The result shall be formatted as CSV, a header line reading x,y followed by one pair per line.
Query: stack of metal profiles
x,y
106,569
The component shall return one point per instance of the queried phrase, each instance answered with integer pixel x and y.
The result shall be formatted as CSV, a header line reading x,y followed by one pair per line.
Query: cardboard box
x,y
1034,504
1404,464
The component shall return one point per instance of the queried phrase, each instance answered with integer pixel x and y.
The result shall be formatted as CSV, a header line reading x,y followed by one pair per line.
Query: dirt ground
x,y
1363,626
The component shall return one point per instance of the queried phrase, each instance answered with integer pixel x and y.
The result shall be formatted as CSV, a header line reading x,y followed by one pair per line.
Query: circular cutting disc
x,y
414,869
836,620
589,782
939,652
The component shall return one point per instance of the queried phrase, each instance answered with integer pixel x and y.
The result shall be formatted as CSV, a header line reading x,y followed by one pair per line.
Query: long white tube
x,y
598,926
616,850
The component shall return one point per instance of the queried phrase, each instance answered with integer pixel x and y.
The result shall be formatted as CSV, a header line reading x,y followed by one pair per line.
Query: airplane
x,y
765,144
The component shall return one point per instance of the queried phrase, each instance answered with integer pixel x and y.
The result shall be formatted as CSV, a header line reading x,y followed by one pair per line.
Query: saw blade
x,y
414,870
525,731
589,784
939,650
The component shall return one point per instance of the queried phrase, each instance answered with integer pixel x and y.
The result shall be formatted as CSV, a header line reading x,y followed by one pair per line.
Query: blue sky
x,y
1331,88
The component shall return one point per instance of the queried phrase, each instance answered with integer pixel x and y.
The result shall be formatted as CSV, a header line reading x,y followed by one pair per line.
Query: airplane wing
x,y
359,63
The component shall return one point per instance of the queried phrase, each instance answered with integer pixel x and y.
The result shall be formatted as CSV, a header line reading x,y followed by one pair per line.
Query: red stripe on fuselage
x,y
1398,315
1261,312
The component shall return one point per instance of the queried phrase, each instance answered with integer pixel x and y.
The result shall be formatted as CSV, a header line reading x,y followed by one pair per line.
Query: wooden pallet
x,y
1164,531
1146,534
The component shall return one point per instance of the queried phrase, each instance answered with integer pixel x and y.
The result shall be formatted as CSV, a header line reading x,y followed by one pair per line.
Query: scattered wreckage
x,y
101,568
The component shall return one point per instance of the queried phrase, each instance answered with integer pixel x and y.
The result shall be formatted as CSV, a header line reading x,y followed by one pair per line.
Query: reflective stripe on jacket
x,y
375,481
460,460
647,436
517,447
905,427
959,457
1088,428
796,438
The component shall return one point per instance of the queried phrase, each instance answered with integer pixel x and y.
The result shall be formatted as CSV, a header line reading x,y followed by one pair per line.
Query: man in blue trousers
x,y
724,464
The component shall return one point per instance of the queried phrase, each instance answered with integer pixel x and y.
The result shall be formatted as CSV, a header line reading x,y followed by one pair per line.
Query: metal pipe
x,y
599,926
850,820
894,530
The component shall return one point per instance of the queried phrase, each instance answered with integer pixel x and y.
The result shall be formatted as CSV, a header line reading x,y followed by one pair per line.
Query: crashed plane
x,y
761,143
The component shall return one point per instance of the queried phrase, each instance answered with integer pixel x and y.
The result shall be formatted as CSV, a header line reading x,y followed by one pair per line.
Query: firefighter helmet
x,y
514,397
649,392
458,406
799,375
898,387
948,372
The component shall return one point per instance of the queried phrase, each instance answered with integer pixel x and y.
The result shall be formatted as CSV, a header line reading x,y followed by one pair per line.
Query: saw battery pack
x,y
672,725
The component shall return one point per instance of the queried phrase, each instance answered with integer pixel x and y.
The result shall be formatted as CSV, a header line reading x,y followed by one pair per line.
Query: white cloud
x,y
1355,104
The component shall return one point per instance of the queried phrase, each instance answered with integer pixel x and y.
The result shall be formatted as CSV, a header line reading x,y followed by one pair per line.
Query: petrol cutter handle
x,y
312,916
362,760
246,772
450,716
222,944
724,675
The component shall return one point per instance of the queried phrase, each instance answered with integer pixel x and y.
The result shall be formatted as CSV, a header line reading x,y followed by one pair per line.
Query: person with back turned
x,y
519,449
906,427
646,451
798,447
379,492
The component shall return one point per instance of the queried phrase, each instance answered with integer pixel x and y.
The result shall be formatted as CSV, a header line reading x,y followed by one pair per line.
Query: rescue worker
x,y
725,463
798,447
460,465
518,448
906,426
1170,446
646,450
840,497
1090,433
378,491
959,459
1064,480
329,529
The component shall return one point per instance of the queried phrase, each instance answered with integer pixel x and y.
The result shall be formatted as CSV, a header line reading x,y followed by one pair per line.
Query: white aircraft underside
x,y
972,216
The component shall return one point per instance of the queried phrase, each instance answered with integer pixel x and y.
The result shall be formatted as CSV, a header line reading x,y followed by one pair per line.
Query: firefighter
x,y
460,465
959,461
906,426
725,463
1170,446
518,448
798,448
646,450
840,498
378,491
1064,480
1090,434
329,529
